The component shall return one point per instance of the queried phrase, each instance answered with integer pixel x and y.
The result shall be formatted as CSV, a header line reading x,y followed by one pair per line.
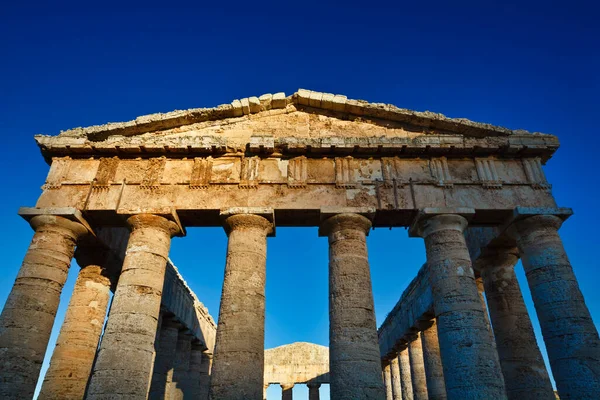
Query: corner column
x,y
522,364
124,365
417,368
404,361
471,369
387,381
238,368
396,385
313,391
73,356
434,372
28,315
287,391
569,333
354,358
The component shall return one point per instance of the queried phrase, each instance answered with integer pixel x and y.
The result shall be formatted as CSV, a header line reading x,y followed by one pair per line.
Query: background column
x,y
434,372
287,391
404,361
238,368
396,385
354,359
28,315
469,358
417,368
205,375
124,364
387,381
73,356
569,333
313,391
183,350
165,358
522,364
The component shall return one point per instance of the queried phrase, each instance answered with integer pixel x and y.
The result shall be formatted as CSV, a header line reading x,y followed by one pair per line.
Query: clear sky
x,y
512,63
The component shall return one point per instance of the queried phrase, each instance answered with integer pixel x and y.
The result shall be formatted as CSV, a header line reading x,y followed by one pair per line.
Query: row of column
x,y
124,362
287,391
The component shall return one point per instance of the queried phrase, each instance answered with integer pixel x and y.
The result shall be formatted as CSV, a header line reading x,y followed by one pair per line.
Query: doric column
x,y
522,364
313,391
569,332
178,385
387,381
417,368
123,367
73,356
164,360
238,368
470,364
207,358
404,361
434,372
354,358
194,376
287,391
396,383
28,315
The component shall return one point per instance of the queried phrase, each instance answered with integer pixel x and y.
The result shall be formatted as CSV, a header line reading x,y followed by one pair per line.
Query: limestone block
x,y
303,97
265,101
315,99
237,108
327,101
339,103
278,100
254,103
245,106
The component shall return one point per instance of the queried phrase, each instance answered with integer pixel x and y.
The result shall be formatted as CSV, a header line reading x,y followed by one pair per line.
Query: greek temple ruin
x,y
476,194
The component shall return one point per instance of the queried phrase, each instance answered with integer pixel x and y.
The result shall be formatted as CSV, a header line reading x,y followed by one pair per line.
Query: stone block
x,y
278,100
237,108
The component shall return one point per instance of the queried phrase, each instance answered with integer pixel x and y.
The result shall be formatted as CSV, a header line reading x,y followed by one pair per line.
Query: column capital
x,y
140,221
75,229
431,220
248,217
64,217
286,386
313,385
343,221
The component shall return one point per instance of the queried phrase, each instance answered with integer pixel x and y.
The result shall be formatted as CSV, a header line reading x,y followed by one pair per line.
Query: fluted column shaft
x,y
124,364
434,372
569,333
28,315
404,361
396,380
522,364
471,369
354,358
313,391
287,391
238,368
417,368
73,356
387,381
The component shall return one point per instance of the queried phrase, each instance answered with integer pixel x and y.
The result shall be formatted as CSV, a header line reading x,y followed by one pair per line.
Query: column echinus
x,y
123,366
28,315
569,333
313,391
471,369
73,356
522,364
354,359
238,365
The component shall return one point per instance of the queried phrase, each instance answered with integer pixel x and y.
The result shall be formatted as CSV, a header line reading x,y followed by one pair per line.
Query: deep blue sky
x,y
516,64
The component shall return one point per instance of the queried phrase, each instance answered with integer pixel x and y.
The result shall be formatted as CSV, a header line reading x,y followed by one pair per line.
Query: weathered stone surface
x,y
73,356
387,381
164,361
470,367
297,363
177,387
522,364
355,365
569,333
434,373
28,315
404,361
417,368
238,368
124,363
396,380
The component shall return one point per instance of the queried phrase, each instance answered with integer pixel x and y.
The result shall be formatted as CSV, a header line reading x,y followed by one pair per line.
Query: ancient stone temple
x,y
117,194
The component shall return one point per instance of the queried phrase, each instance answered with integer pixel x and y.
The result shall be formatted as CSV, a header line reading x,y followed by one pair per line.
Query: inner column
x,y
238,365
355,364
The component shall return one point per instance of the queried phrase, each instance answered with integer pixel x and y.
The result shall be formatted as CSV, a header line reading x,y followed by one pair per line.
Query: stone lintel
x,y
70,213
169,213
425,213
264,212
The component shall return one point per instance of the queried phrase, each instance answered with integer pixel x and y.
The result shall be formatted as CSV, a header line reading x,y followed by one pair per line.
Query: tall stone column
x,y
193,384
205,375
73,356
238,368
354,358
396,385
387,381
313,391
123,367
404,361
178,384
434,372
569,333
164,361
469,358
28,315
287,391
522,364
417,368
